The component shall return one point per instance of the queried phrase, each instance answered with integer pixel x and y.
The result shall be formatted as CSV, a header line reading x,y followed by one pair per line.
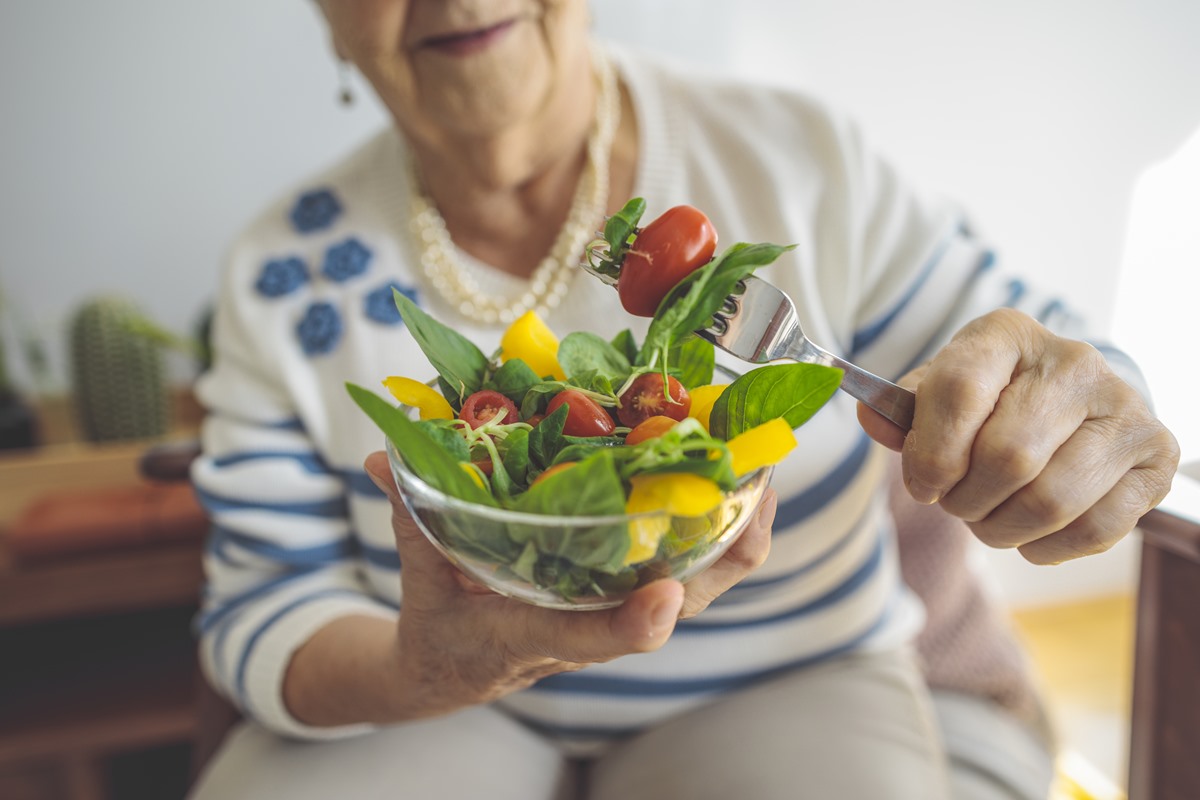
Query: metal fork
x,y
759,324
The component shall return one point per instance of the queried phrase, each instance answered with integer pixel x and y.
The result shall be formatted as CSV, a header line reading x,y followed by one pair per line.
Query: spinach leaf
x,y
546,438
516,456
458,361
424,456
792,391
513,379
583,351
577,448
692,360
446,437
538,395
689,306
626,345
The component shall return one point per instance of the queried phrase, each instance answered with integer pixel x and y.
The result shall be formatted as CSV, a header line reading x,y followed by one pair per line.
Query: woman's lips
x,y
463,44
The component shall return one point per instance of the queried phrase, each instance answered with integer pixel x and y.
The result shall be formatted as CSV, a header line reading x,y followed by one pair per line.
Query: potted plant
x,y
18,420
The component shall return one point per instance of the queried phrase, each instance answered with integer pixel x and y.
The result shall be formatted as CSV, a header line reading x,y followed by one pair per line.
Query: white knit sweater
x,y
302,537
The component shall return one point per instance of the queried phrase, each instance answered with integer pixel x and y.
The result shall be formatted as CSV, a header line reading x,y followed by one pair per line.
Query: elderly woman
x,y
513,136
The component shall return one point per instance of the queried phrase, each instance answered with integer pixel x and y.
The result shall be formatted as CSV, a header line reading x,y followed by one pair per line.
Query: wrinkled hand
x,y
464,645
1031,439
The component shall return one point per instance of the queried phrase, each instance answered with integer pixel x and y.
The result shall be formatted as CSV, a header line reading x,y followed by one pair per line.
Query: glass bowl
x,y
496,547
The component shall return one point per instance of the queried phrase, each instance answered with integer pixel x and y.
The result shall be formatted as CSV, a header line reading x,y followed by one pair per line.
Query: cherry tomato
x,y
665,252
585,417
652,428
645,398
484,405
551,470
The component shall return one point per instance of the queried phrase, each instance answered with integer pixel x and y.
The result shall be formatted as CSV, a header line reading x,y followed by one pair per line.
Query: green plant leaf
x,y
626,345
422,454
516,456
546,438
590,488
513,379
692,360
621,226
445,436
792,391
457,360
691,303
582,351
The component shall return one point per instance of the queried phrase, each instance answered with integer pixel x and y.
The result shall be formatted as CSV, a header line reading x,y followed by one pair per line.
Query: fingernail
x,y
766,512
922,493
382,483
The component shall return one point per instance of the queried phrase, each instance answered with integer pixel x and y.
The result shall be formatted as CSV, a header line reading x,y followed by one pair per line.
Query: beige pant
x,y
860,726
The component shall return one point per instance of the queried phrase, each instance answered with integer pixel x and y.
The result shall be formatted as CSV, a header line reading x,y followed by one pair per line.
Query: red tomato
x,y
485,465
585,417
645,398
484,405
665,252
652,428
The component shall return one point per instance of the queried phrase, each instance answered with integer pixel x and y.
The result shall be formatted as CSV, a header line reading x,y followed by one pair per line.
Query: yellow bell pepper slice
x,y
473,471
763,444
530,340
678,494
703,400
420,396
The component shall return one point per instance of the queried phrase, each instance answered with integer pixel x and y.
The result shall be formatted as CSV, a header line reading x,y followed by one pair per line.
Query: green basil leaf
x,y
546,438
792,391
590,488
424,456
514,379
692,361
583,351
457,360
691,303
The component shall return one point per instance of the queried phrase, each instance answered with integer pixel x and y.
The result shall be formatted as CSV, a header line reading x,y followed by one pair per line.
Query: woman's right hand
x,y
459,644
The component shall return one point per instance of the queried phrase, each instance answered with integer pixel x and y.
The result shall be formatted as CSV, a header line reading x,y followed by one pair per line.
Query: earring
x,y
345,93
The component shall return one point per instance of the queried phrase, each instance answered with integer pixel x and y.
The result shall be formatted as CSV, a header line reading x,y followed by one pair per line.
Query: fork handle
x,y
892,401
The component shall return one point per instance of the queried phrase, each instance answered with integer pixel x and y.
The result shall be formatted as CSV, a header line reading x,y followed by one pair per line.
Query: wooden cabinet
x,y
1165,738
98,672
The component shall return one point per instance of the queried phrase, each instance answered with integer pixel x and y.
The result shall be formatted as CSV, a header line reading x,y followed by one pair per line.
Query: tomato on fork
x,y
664,252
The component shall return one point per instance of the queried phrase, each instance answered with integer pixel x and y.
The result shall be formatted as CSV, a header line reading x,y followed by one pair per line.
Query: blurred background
x,y
138,137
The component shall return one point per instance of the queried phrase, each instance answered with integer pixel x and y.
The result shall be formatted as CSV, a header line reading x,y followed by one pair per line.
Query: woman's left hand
x,y
1032,439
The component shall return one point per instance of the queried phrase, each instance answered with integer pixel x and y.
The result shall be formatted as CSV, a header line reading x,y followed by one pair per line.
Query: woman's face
x,y
468,67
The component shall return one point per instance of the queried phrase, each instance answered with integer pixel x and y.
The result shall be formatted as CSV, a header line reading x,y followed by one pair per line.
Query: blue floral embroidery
x,y
315,211
281,276
320,329
346,260
380,305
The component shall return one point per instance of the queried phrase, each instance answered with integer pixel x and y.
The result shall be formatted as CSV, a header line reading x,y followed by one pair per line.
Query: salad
x,y
636,433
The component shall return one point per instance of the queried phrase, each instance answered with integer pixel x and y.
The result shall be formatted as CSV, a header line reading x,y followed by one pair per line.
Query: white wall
x,y
138,135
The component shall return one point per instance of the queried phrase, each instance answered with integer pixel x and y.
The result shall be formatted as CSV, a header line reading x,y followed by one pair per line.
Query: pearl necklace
x,y
548,282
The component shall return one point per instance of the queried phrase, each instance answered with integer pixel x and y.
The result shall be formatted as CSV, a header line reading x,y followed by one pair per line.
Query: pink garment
x,y
968,644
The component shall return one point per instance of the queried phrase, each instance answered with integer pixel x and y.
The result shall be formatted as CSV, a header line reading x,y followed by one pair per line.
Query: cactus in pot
x,y
118,374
